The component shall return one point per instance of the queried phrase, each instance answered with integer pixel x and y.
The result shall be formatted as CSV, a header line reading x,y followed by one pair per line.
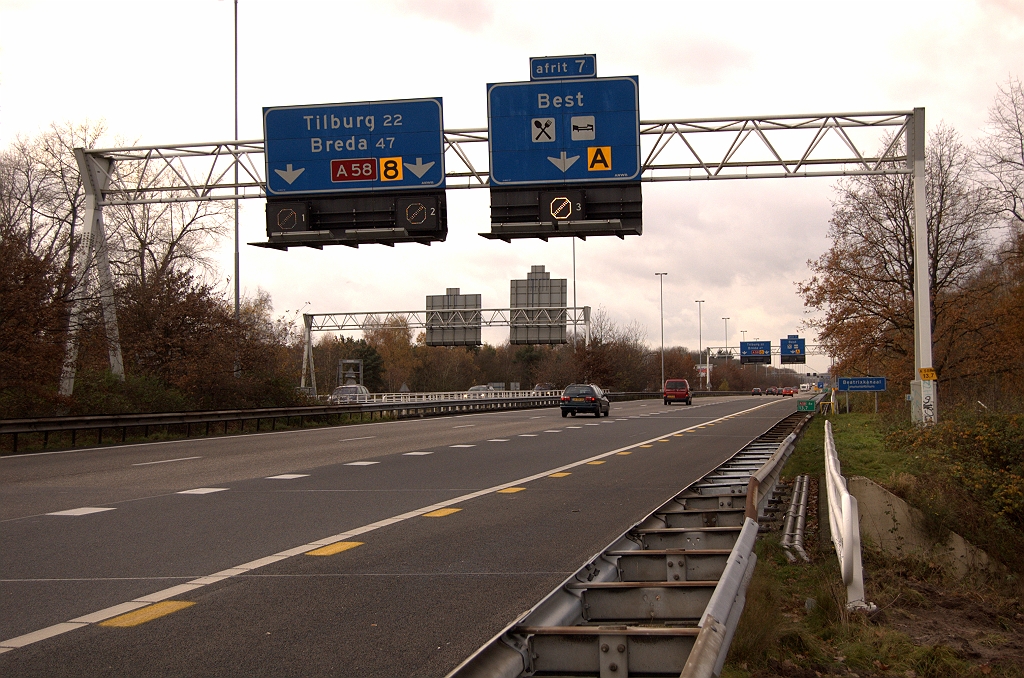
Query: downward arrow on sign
x,y
289,174
419,169
563,163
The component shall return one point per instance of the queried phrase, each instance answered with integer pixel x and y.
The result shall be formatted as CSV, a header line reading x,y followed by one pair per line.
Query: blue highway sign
x,y
354,147
564,131
557,68
792,346
755,348
861,383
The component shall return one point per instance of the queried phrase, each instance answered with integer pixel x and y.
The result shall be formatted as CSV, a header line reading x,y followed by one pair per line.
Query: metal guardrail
x,y
123,422
844,522
662,599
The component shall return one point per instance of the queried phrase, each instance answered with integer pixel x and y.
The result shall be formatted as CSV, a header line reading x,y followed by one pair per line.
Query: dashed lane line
x,y
84,511
181,589
336,547
203,490
288,476
148,613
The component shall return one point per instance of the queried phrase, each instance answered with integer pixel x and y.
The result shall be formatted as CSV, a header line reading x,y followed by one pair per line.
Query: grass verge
x,y
928,624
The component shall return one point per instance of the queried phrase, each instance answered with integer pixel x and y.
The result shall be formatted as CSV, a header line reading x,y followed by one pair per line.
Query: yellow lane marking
x,y
702,427
148,613
511,490
677,435
624,453
441,513
561,474
662,441
645,446
595,463
336,547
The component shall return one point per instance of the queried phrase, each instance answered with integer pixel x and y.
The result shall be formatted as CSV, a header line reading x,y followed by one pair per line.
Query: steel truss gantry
x,y
448,318
697,149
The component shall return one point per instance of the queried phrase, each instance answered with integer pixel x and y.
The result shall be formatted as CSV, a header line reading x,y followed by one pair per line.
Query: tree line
x,y
861,289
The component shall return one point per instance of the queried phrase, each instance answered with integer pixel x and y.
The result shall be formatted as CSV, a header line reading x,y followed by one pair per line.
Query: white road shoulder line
x,y
158,596
165,461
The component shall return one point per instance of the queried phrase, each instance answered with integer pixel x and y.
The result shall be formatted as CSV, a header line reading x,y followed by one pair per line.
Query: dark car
x,y
772,391
577,398
677,391
756,391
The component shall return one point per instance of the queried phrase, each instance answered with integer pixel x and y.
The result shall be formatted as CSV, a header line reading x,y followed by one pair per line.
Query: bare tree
x,y
865,282
1001,150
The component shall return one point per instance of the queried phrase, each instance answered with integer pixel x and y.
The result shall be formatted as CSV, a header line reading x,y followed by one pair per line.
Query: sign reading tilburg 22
x,y
564,131
354,147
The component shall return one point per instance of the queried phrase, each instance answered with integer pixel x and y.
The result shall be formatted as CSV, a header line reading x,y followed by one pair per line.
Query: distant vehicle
x,y
772,391
584,398
789,391
756,391
677,390
545,386
350,393
805,388
480,389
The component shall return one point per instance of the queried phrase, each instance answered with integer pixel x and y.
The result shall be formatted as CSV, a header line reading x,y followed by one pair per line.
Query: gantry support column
x,y
95,174
923,393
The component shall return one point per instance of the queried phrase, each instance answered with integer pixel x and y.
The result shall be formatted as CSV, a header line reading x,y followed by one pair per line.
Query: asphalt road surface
x,y
382,549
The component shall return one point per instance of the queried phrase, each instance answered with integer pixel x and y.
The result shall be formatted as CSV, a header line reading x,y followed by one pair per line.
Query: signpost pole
x,y
924,406
661,283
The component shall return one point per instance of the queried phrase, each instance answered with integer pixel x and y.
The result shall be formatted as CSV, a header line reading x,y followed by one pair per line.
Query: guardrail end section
x,y
704,655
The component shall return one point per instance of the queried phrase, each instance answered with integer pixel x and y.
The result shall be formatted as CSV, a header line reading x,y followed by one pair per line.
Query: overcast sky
x,y
160,71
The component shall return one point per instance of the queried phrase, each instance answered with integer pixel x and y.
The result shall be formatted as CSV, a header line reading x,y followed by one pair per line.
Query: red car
x,y
789,391
677,390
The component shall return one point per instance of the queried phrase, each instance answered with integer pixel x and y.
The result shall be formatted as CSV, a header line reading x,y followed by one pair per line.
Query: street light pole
x,y
726,336
700,341
661,283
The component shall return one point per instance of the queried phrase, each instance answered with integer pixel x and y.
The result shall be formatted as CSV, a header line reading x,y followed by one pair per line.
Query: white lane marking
x,y
574,427
204,490
416,454
554,431
362,463
346,440
84,511
165,461
591,424
498,440
158,596
622,420
527,435
608,421
536,417
287,476
465,426
462,446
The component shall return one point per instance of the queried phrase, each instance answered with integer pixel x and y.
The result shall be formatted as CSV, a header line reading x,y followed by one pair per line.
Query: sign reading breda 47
x,y
346,174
